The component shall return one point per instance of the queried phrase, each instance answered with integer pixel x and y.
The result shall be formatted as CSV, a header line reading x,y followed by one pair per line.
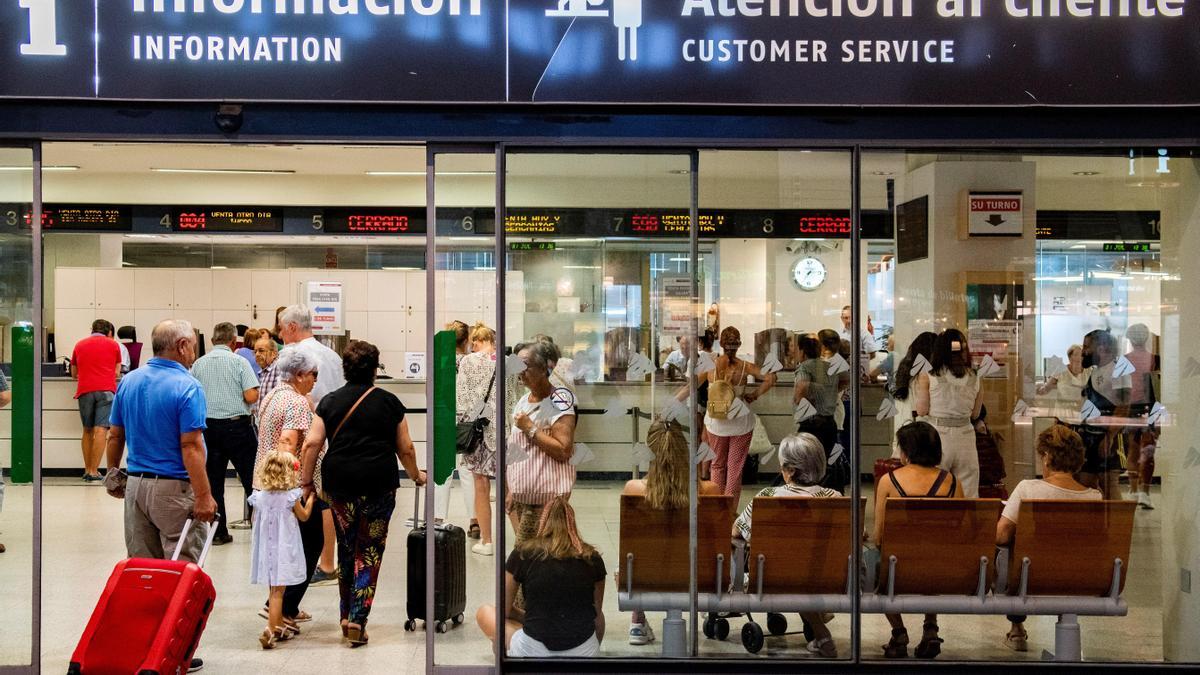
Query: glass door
x,y
464,379
19,329
601,318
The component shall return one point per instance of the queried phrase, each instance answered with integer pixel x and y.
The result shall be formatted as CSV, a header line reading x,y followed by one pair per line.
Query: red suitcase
x,y
149,618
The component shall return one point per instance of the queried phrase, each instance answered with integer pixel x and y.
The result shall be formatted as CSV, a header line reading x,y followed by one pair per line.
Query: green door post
x,y
445,374
22,404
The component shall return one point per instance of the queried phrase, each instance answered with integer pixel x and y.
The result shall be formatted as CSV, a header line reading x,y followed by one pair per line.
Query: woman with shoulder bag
x,y
729,422
477,394
359,475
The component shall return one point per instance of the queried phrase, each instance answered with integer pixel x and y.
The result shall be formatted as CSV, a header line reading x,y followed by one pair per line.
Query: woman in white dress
x,y
949,398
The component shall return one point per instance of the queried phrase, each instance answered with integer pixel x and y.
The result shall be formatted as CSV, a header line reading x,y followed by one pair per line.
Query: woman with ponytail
x,y
563,581
665,487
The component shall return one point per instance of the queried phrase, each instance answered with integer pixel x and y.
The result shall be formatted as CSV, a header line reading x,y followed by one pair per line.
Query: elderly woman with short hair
x,y
367,433
802,465
284,418
544,428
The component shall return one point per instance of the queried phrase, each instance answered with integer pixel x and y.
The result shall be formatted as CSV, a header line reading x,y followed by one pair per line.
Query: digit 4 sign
x,y
43,29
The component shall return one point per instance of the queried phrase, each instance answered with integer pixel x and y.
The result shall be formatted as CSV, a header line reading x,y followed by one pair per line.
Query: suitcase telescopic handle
x,y
208,540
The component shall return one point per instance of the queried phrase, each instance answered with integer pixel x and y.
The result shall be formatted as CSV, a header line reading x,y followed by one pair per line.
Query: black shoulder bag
x,y
469,434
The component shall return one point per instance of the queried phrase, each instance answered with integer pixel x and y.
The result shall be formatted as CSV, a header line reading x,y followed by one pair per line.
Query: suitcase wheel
x,y
442,627
410,625
458,620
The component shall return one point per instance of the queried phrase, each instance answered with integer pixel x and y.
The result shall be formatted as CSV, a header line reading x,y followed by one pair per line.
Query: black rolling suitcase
x,y
450,584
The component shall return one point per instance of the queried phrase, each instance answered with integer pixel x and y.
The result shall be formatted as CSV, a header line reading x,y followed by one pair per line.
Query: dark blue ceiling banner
x,y
741,52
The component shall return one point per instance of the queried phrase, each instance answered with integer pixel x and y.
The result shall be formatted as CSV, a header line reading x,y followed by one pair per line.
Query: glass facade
x,y
721,384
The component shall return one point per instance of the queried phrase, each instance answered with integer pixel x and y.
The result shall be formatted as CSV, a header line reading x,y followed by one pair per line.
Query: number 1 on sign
x,y
43,31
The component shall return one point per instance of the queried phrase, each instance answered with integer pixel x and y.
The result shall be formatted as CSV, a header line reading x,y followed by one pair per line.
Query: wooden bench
x,y
1073,548
801,545
656,565
938,546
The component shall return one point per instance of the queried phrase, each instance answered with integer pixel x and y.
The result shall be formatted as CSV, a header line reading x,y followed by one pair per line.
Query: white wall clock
x,y
809,274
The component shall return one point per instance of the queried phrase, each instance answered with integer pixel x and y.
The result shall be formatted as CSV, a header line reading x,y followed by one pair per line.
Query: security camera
x,y
229,118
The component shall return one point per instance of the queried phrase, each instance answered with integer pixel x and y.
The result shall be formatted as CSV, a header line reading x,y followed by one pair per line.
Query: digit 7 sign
x,y
43,29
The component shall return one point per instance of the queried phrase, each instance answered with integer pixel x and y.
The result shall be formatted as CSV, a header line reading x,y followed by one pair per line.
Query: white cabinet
x,y
193,289
386,291
415,332
71,326
74,288
153,289
232,290
270,289
114,289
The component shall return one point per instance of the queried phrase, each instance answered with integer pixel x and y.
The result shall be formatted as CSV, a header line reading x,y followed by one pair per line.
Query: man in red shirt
x,y
95,364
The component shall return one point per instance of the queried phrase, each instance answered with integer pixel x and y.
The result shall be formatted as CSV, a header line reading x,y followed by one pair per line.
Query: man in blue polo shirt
x,y
159,411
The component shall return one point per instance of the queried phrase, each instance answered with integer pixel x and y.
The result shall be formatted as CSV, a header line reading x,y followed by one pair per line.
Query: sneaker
x,y
323,578
640,634
1143,500
195,665
92,478
241,525
825,648
484,549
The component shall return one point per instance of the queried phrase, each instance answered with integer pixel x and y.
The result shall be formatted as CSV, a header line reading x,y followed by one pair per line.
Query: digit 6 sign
x,y
43,31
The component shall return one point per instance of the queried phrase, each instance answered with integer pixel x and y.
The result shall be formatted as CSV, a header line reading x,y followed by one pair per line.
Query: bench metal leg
x,y
674,635
1067,645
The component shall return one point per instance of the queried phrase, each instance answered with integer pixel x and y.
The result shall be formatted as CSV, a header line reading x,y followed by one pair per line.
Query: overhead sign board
x,y
995,214
799,52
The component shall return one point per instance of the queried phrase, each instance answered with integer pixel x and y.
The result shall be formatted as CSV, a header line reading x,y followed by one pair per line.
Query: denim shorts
x,y
94,408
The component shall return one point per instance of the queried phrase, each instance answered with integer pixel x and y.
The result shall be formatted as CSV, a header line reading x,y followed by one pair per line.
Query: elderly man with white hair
x,y
159,411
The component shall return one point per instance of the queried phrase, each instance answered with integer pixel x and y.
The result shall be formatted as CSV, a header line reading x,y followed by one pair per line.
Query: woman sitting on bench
x,y
665,487
802,464
920,448
1062,454
563,580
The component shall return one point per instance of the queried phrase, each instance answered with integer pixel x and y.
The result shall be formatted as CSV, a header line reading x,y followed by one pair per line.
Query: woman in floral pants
x,y
367,432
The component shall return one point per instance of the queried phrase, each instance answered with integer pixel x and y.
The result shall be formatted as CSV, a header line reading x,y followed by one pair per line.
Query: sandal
x,y
270,637
1017,640
897,647
930,645
356,635
345,629
473,530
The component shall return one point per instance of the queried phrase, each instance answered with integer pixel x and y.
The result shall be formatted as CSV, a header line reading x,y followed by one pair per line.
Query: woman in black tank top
x,y
921,451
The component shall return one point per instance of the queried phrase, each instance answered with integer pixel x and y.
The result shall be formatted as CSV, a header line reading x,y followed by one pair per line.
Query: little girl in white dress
x,y
277,556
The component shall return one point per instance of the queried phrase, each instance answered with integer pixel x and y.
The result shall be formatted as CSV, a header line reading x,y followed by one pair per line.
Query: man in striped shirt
x,y
230,387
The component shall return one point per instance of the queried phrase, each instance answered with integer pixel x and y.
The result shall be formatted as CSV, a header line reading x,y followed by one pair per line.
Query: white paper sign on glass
x,y
920,365
838,365
887,409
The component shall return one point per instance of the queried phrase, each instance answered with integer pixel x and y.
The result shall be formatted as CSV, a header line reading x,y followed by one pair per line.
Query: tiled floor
x,y
84,540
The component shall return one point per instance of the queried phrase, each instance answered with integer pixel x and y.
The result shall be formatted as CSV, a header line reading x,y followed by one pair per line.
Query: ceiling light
x,y
883,173
1086,173
679,172
436,173
217,267
264,172
44,168
400,269
581,267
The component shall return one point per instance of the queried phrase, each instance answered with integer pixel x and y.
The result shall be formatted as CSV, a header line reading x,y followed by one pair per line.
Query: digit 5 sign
x,y
43,29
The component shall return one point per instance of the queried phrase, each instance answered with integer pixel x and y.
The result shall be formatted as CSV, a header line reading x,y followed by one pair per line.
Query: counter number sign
x,y
43,29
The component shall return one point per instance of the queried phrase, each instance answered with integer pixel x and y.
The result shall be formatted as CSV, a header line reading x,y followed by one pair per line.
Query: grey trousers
x,y
155,511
